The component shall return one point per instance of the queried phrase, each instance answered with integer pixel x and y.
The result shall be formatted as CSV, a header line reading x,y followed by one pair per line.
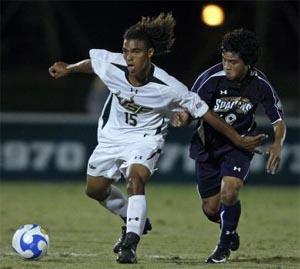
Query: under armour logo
x,y
136,218
223,92
253,73
134,90
91,166
198,105
123,100
229,232
237,168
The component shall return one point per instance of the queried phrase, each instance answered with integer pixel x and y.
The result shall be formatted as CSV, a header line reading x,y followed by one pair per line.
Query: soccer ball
x,y
30,241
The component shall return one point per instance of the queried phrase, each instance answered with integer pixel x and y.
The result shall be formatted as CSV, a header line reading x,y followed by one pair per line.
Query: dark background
x,y
34,34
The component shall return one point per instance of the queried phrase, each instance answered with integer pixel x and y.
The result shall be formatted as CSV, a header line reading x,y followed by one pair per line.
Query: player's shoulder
x,y
261,78
106,56
167,80
214,72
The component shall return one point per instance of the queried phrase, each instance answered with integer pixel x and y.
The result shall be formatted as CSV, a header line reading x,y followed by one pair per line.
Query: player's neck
x,y
140,78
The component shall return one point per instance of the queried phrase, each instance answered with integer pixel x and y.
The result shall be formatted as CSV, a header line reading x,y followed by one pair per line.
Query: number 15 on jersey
x,y
130,119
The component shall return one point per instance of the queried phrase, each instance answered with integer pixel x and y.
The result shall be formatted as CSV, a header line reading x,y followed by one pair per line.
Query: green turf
x,y
82,233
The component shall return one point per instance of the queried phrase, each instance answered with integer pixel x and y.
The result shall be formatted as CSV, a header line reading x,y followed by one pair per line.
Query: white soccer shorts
x,y
110,159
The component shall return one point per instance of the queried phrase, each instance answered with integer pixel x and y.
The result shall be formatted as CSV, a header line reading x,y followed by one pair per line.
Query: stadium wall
x,y
56,147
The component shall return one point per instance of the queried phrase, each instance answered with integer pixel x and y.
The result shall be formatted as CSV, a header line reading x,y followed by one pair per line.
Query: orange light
x,y
212,15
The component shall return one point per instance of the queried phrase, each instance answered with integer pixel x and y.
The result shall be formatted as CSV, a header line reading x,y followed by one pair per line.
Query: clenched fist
x,y
59,69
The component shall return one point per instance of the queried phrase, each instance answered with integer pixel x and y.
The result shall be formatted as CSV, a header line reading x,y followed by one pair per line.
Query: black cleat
x,y
235,242
127,251
126,255
147,228
219,255
118,244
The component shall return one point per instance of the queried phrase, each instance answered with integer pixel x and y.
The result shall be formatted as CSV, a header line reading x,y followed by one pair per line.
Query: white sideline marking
x,y
73,254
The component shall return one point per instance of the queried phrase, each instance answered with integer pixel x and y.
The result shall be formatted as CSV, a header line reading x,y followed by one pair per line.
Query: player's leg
x,y
137,177
234,171
209,187
146,229
109,196
230,214
211,207
139,165
230,211
102,171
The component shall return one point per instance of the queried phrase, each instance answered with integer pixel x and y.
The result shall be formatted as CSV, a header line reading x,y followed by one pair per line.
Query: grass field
x,y
82,233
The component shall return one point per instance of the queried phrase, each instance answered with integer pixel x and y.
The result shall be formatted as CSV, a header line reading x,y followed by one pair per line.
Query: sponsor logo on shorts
x,y
91,166
236,168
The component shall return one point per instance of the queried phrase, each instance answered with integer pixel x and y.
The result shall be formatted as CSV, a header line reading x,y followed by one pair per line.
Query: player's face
x,y
137,56
233,66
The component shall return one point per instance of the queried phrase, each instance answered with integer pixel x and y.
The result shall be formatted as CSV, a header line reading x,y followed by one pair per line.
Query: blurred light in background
x,y
212,15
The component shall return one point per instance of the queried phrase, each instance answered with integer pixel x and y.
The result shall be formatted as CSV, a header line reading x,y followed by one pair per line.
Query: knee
x,y
135,186
97,190
211,210
230,191
95,193
136,179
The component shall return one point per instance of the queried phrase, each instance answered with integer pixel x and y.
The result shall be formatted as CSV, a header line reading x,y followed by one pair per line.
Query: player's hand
x,y
274,158
249,143
180,118
58,69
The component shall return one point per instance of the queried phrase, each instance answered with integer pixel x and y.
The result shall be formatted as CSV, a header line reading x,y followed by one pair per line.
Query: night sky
x,y
35,34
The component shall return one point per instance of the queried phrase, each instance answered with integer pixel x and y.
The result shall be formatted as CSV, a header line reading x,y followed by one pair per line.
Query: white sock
x,y
136,214
116,202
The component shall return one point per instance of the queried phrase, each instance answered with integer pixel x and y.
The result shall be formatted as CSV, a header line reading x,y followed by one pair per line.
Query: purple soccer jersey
x,y
236,103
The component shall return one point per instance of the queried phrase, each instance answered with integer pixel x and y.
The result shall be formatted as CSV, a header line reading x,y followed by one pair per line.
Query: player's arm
x,y
61,69
275,149
197,108
248,143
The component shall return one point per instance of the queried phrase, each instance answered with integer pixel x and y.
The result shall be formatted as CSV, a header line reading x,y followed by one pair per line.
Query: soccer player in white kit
x,y
133,125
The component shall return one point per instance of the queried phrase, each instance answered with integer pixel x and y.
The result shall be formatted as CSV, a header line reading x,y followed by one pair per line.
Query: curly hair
x,y
243,42
157,33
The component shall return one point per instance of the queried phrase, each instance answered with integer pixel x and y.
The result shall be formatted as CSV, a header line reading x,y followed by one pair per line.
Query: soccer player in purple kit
x,y
233,89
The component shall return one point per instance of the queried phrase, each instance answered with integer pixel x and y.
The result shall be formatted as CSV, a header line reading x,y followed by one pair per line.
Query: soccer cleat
x,y
235,242
219,255
118,244
147,228
127,251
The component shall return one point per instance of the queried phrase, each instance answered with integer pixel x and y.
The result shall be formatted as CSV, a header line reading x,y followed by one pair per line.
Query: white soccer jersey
x,y
142,110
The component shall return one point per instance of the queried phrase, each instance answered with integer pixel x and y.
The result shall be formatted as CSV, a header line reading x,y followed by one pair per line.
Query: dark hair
x,y
243,42
157,33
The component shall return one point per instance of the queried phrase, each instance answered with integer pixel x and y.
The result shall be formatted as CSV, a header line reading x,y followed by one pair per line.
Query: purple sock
x,y
230,216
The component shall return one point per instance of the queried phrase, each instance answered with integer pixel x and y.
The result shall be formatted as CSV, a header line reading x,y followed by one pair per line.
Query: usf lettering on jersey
x,y
130,105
